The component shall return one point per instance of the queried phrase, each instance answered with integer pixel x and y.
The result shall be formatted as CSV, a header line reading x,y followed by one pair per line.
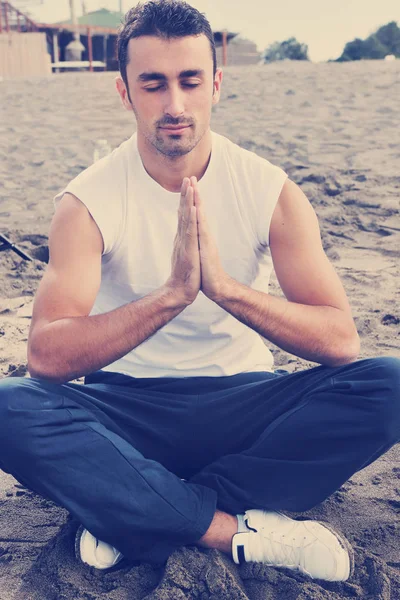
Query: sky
x,y
325,26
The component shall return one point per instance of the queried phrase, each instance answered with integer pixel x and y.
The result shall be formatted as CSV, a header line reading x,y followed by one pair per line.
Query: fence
x,y
24,54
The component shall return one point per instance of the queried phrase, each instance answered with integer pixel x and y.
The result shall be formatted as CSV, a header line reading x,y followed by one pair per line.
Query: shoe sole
x,y
123,562
344,543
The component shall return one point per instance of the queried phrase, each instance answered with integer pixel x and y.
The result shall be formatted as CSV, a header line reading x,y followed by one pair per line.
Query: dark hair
x,y
165,19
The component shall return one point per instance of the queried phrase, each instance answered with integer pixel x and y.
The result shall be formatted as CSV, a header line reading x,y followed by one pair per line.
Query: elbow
x,y
33,364
37,372
39,368
46,376
347,350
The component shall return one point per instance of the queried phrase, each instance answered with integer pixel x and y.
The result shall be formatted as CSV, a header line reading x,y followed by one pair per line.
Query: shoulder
x,y
250,166
238,152
102,178
109,169
294,217
101,188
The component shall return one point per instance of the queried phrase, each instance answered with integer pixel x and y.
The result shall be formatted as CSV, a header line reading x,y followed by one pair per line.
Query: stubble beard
x,y
170,147
173,146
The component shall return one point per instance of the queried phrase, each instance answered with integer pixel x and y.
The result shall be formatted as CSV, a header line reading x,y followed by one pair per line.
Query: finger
x,y
188,206
191,233
201,223
193,223
184,186
199,218
182,210
196,193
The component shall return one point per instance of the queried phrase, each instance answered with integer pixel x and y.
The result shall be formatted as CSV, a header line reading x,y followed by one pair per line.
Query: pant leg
x,y
292,440
51,442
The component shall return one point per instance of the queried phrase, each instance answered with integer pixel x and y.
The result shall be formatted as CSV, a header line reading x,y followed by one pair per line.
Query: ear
x,y
217,86
123,92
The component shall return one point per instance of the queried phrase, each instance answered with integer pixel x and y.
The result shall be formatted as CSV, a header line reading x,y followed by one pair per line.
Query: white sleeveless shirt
x,y
138,220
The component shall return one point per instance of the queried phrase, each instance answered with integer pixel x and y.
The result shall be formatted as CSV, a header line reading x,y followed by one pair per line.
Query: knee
x,y
373,385
9,434
385,371
24,405
9,388
389,366
375,376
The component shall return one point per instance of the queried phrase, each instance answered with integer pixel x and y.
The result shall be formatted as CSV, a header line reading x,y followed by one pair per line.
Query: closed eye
x,y
189,85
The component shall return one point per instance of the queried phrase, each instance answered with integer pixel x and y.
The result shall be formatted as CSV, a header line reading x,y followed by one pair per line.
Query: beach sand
x,y
335,129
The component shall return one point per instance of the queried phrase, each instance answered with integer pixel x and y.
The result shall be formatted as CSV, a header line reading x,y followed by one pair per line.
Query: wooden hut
x,y
98,32
238,51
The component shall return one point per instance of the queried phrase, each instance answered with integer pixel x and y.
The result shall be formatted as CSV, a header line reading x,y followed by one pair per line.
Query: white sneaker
x,y
307,546
94,552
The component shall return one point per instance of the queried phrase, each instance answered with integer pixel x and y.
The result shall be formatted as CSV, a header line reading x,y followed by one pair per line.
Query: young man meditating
x,y
157,292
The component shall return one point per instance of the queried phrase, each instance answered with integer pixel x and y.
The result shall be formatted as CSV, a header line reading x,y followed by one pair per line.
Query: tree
x,y
374,49
290,49
353,50
389,36
386,40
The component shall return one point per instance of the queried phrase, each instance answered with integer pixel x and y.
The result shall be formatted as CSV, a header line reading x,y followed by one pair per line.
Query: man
x,y
156,291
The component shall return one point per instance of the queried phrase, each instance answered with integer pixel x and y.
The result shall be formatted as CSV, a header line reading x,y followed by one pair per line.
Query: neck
x,y
170,171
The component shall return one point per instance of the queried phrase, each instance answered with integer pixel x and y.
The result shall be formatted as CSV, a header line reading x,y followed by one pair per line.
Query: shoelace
x,y
278,552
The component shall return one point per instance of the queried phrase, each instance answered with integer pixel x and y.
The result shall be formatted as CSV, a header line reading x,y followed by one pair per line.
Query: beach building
x,y
90,43
239,51
102,25
98,34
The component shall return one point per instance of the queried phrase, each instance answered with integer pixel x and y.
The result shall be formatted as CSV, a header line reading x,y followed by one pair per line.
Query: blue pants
x,y
113,451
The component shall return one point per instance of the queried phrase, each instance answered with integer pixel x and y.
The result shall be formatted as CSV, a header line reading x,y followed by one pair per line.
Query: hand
x,y
184,280
213,276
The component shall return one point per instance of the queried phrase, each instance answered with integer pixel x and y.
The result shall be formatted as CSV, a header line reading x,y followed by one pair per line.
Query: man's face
x,y
171,84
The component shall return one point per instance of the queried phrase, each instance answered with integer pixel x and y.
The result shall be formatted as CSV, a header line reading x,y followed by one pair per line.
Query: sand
x,y
335,129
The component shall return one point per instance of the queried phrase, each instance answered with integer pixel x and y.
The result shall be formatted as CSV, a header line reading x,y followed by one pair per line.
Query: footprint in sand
x,y
36,239
390,320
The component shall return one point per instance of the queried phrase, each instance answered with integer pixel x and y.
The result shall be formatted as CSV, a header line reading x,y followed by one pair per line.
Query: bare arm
x,y
315,321
64,342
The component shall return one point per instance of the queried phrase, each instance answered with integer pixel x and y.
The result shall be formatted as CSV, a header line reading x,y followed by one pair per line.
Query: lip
x,y
176,129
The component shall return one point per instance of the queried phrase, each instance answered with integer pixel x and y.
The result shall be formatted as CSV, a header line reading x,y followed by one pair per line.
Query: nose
x,y
174,105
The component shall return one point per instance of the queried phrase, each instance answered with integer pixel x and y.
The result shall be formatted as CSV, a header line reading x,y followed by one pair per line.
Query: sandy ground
x,y
335,129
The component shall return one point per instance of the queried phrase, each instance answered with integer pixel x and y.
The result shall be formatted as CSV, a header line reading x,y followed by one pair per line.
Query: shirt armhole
x,y
274,187
105,218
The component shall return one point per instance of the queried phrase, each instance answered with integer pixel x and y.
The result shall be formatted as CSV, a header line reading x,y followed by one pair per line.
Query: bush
x,y
386,40
290,49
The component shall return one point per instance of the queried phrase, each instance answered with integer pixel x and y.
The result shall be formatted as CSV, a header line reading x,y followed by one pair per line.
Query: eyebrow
x,y
161,77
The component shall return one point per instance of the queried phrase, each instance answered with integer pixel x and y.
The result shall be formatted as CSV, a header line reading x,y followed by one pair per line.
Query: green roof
x,y
99,18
